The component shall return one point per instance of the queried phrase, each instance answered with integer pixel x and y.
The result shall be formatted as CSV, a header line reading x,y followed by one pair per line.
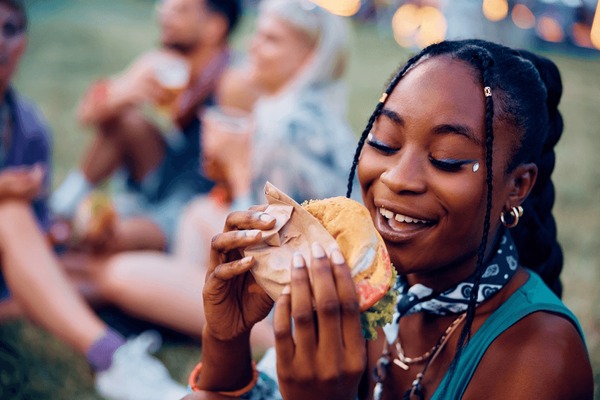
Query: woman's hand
x,y
324,354
233,301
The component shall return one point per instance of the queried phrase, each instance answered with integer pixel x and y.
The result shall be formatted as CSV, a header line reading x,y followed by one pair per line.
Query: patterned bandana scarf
x,y
420,298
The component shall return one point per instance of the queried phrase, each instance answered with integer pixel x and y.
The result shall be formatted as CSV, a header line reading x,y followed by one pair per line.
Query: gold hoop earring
x,y
514,214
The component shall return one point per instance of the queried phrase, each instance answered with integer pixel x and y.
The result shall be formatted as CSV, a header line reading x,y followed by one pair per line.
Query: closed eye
x,y
380,146
449,165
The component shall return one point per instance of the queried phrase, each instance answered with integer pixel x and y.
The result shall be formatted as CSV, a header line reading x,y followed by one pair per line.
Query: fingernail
x,y
252,233
264,217
286,289
298,260
317,250
337,257
246,260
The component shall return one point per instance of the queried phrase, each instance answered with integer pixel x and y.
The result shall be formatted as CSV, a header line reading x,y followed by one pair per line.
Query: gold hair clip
x,y
383,98
487,91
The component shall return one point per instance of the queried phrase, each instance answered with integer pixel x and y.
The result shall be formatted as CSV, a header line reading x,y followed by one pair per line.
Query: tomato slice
x,y
371,289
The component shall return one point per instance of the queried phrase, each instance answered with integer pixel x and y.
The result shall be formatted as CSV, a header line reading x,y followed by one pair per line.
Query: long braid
x,y
485,62
536,235
363,137
361,143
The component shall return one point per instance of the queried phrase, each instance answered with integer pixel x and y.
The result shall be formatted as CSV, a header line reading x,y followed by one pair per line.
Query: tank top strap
x,y
533,296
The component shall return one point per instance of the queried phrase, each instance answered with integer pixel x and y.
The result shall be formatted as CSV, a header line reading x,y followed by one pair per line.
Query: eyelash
x,y
447,165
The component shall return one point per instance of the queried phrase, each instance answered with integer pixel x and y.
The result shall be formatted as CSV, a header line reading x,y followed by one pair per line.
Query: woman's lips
x,y
400,227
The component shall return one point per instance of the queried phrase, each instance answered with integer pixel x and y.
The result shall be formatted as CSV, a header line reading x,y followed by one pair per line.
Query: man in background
x,y
160,164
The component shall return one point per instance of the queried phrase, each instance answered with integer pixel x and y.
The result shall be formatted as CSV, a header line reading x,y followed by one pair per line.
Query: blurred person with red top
x,y
159,164
32,283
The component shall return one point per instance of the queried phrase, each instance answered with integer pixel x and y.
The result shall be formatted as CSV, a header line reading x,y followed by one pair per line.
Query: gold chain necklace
x,y
404,362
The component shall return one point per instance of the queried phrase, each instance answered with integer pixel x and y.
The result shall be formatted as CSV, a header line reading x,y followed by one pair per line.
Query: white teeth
x,y
399,217
387,213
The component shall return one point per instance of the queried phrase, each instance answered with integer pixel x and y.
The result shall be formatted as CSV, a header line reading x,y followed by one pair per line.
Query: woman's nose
x,y
407,174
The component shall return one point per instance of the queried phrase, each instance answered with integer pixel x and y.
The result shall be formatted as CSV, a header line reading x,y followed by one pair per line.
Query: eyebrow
x,y
393,116
458,129
443,129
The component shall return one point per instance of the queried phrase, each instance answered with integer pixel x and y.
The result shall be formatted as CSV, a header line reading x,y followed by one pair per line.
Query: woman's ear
x,y
521,183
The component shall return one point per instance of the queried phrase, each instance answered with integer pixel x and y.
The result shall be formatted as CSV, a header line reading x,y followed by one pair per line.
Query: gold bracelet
x,y
195,375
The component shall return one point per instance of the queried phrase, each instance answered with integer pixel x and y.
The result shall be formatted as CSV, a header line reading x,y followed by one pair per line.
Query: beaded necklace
x,y
416,390
419,298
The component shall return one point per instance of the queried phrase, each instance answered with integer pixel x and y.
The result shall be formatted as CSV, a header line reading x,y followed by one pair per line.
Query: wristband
x,y
195,375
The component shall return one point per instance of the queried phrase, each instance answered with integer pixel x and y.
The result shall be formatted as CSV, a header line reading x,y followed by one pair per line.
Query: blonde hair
x,y
329,33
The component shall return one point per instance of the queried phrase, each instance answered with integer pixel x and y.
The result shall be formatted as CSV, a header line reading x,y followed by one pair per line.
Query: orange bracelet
x,y
193,379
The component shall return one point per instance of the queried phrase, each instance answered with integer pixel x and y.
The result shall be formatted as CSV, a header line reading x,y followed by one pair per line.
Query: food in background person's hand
x,y
94,219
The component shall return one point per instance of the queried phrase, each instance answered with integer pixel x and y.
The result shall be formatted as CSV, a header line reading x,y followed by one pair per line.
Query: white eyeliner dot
x,y
476,167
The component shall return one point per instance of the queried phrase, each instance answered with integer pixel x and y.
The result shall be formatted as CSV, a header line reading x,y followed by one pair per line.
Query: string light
x,y
422,26
595,31
495,10
344,8
549,29
523,17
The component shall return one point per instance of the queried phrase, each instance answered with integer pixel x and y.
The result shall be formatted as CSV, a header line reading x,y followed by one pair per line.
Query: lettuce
x,y
380,313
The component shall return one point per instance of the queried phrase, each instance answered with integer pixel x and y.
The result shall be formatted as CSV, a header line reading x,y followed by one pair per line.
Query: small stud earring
x,y
476,167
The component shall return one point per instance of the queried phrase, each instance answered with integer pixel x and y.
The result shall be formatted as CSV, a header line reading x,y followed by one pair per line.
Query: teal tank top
x,y
533,296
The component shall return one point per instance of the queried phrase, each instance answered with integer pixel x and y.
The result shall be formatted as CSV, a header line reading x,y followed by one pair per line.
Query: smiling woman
x,y
458,151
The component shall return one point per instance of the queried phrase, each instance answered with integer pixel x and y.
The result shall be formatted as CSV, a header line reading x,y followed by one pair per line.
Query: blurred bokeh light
x,y
523,17
495,10
566,25
345,8
419,25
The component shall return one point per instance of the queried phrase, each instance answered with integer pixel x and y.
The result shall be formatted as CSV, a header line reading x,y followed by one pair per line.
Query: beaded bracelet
x,y
193,379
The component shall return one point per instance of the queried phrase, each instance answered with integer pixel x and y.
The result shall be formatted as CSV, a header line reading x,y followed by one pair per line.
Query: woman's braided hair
x,y
526,91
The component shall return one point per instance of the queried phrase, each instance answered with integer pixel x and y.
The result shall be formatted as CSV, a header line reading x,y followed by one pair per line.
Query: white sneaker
x,y
135,374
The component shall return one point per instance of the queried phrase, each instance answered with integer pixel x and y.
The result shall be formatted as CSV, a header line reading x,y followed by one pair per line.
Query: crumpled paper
x,y
295,230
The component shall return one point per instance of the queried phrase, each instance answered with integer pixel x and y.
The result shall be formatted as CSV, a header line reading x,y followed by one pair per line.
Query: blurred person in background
x,y
298,139
153,288
159,163
32,282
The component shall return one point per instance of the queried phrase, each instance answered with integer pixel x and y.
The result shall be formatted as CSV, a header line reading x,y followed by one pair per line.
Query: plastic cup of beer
x,y
173,74
226,131
222,119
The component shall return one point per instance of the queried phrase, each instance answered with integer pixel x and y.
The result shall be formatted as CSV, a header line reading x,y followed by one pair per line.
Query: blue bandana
x,y
420,298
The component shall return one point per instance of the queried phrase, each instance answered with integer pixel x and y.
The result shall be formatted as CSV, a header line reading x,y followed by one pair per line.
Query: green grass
x,y
74,42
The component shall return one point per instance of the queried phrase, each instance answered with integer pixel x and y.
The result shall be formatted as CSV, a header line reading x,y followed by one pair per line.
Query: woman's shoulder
x,y
540,356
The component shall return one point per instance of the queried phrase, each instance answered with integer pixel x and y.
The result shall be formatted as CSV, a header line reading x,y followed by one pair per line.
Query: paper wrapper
x,y
295,230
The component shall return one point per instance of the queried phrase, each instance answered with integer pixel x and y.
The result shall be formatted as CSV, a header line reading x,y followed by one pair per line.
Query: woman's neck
x,y
452,274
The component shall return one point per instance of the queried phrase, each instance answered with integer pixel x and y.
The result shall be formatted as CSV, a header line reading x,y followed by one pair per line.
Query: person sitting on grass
x,y
160,164
455,167
32,281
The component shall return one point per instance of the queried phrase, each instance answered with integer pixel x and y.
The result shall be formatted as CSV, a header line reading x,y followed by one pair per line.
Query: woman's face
x,y
277,52
422,172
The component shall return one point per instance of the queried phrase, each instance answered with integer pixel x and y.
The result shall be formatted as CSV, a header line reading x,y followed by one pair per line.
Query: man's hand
x,y
22,182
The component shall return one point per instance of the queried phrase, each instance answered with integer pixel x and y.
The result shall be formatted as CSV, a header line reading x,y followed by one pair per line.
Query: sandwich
x,y
328,221
94,219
